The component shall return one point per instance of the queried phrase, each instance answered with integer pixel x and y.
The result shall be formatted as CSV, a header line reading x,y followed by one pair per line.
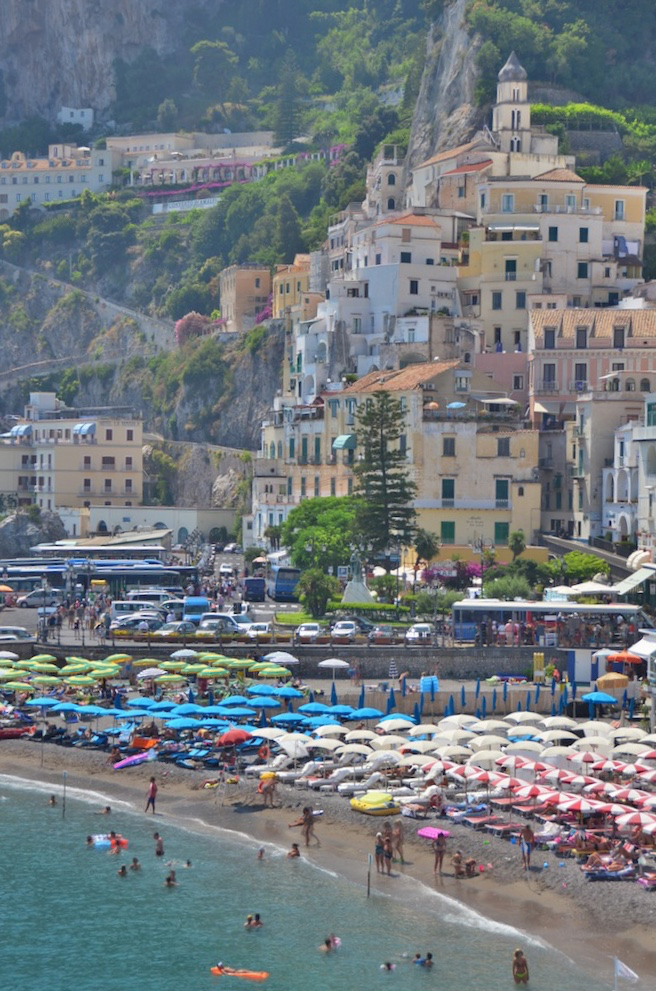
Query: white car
x,y
256,630
345,631
226,570
307,632
419,633
15,634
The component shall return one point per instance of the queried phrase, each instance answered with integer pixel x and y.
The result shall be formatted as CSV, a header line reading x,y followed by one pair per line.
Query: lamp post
x,y
482,545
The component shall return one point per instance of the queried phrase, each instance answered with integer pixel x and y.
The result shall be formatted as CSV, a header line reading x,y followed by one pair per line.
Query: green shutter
x,y
447,532
501,532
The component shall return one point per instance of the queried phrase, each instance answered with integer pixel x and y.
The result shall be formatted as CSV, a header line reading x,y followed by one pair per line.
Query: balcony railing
x,y
579,385
547,387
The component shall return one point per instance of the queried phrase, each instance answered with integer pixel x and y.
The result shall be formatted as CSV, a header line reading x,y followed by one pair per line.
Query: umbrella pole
x,y
369,883
64,797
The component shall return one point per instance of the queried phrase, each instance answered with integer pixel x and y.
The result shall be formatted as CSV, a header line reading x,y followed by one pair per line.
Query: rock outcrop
x,y
18,533
446,114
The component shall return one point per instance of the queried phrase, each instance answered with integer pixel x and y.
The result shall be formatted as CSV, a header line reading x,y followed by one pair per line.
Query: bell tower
x,y
511,116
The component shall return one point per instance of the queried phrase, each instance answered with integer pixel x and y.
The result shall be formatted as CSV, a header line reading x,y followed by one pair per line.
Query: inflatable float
x,y
248,975
375,803
134,759
103,841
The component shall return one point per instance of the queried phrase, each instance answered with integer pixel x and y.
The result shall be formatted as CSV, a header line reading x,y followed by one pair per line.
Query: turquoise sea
x,y
68,921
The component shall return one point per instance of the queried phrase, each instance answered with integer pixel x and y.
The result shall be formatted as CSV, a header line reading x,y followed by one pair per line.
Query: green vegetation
x,y
315,589
320,533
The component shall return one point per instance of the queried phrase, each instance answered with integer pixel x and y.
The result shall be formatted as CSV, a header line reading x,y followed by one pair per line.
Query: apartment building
x,y
245,290
63,175
290,283
60,457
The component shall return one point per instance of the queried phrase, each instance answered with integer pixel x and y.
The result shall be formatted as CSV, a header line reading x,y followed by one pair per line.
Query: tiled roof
x,y
639,324
474,167
400,380
444,156
412,220
559,175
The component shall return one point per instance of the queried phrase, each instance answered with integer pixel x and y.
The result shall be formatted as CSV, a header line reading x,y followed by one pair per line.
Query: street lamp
x,y
482,546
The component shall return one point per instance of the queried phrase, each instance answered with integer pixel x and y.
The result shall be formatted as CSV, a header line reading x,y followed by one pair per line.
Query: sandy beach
x,y
589,922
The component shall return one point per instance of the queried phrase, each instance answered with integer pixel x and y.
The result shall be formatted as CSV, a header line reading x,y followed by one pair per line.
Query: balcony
x,y
547,387
546,463
579,385
578,431
502,504
578,472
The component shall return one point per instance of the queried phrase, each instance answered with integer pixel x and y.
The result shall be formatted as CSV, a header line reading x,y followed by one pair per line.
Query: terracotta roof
x,y
400,380
474,167
559,175
444,156
639,324
411,220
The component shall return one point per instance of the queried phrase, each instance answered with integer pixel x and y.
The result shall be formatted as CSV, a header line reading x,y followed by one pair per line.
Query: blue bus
x,y
282,583
254,589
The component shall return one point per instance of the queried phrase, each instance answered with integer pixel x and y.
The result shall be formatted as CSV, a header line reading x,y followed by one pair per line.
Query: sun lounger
x,y
503,829
625,874
278,764
648,881
481,821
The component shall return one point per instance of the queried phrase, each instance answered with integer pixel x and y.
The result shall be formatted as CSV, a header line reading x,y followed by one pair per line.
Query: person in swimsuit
x,y
170,881
526,841
388,853
294,852
52,800
327,945
135,865
152,796
378,853
439,849
519,968
122,871
388,965
159,845
397,840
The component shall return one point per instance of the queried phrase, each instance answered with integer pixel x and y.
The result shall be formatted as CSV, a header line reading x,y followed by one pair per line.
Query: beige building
x,y
245,291
469,451
59,457
63,175
290,284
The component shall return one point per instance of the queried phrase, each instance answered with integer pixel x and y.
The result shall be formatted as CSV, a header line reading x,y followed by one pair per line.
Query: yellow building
x,y
469,452
290,282
59,457
245,291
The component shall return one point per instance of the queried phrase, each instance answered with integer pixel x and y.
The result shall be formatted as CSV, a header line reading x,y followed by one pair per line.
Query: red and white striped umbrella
x,y
596,786
506,781
632,795
483,777
537,766
608,765
535,791
649,803
585,757
557,774
512,762
636,819
646,775
576,803
614,808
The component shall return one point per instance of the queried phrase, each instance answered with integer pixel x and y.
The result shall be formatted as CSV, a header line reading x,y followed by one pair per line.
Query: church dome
x,y
512,71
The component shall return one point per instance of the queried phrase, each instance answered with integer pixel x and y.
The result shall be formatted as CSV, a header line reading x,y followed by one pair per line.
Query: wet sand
x,y
589,922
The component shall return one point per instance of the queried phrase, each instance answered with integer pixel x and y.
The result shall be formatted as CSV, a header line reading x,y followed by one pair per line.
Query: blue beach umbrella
x,y
333,694
181,723
528,701
140,703
65,707
263,690
395,715
210,696
625,698
187,709
265,703
494,700
288,719
238,711
505,691
391,701
314,708
573,690
325,720
190,696
553,686
599,698
263,718
537,694
478,687
631,707
340,710
164,706
44,701
484,706
478,712
404,687
287,692
311,697
366,712
417,713
463,697
553,708
452,705
235,700
361,699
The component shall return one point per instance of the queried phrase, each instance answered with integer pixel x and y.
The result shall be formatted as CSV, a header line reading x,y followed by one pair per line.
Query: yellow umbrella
x,y
46,679
172,665
74,669
145,662
78,660
212,657
117,659
213,673
24,663
47,658
192,668
44,668
105,671
275,672
260,666
81,679
6,674
239,663
169,679
19,686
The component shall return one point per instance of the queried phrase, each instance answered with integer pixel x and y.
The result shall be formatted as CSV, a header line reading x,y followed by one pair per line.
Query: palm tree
x,y
273,534
517,543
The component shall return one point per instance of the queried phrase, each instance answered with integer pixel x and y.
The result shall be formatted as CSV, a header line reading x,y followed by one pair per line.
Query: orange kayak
x,y
249,975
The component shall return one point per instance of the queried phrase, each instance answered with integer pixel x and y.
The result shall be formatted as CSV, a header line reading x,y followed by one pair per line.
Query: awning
x,y
513,227
345,442
634,580
21,430
539,408
644,648
500,401
84,429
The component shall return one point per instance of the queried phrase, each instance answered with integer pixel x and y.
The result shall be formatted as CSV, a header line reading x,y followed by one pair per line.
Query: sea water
x,y
67,921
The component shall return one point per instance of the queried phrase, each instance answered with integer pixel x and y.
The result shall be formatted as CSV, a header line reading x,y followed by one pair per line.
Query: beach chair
x,y
279,763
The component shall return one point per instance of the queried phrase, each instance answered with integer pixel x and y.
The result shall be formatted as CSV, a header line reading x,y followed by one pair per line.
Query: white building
x,y
76,115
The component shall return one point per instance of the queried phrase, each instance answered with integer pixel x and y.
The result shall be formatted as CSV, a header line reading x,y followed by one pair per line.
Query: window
x,y
448,492
520,490
406,257
349,486
290,485
645,385
391,179
553,234
518,381
379,258
501,532
507,203
497,337
414,287
520,300
357,325
128,486
543,200
503,447
406,235
496,300
128,464
619,209
333,486
86,484
462,383
482,201
303,487
109,434
582,337
583,235
447,532
87,463
292,448
582,270
618,337
549,338
107,485
511,269
449,445
317,486
257,283
461,192
581,376
570,201
403,443
129,435
501,487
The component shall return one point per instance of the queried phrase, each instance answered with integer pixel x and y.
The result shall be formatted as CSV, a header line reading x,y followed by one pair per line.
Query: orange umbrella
x,y
624,657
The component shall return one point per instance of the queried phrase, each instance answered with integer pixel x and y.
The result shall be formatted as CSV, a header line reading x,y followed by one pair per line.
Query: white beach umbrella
x,y
453,735
420,746
378,758
388,742
394,725
486,741
295,748
631,748
650,738
485,758
184,653
528,746
557,734
559,722
326,744
360,734
453,750
354,748
282,657
8,655
330,730
424,729
150,673
460,719
293,737
523,717
334,663
556,752
595,727
627,733
270,733
592,743
410,760
491,725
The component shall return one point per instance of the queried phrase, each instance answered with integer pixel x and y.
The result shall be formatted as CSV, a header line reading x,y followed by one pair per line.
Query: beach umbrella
x,y
270,733
463,697
8,655
265,703
263,690
584,757
42,658
636,749
169,679
557,734
75,669
281,657
453,750
80,680
636,819
193,668
185,653
395,723
334,664
368,712
522,717
19,686
44,667
424,729
613,808
486,740
490,725
599,698
166,665
288,692
632,795
312,708
8,674
46,679
66,707
289,719
354,748
360,734
317,722
559,722
388,742
162,706
274,672
333,694
211,673
117,659
330,729
592,742
576,803
45,701
150,673
512,762
624,657
233,737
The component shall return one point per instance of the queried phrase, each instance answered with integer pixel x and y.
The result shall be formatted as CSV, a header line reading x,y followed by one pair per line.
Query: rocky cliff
x,y
446,114
19,533
62,52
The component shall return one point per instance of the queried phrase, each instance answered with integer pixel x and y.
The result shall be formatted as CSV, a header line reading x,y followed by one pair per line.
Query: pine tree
x,y
386,515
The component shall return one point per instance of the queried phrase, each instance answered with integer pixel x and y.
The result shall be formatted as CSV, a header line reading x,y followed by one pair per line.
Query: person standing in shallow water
x,y
519,968
152,796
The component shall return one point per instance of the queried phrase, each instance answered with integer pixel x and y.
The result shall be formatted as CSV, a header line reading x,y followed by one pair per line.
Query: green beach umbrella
x,y
6,674
46,679
78,660
275,672
117,659
172,665
260,666
213,673
239,663
169,679
42,667
145,662
209,656
80,680
19,686
192,668
105,671
25,663
74,669
45,658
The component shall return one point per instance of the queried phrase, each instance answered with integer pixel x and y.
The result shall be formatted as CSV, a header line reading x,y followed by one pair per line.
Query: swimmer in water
x,y
170,880
187,864
90,841
135,865
52,800
104,812
260,853
388,966
294,852
122,871
327,945
249,922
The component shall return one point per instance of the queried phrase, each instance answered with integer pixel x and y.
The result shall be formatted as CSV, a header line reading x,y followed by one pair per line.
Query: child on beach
x,y
519,968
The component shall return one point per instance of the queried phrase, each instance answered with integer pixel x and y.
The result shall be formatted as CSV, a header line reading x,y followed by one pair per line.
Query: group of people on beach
x,y
388,841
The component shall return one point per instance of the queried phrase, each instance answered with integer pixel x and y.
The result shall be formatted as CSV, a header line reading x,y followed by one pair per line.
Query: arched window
x,y
183,533
102,526
645,385
391,179
467,357
280,449
391,203
272,450
520,490
630,385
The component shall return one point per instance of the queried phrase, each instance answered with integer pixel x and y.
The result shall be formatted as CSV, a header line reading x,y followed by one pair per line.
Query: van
x,y
236,622
156,595
194,607
41,597
123,608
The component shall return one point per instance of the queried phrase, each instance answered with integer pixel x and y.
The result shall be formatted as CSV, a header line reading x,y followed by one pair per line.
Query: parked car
x,y
184,628
232,549
256,630
419,633
363,625
15,634
345,631
133,622
39,597
307,632
384,634
226,570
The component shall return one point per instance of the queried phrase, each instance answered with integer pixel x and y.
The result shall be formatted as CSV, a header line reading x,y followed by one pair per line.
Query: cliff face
x,y
446,115
55,52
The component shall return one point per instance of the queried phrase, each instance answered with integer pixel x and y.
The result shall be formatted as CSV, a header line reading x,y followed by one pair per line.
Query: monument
x,y
356,591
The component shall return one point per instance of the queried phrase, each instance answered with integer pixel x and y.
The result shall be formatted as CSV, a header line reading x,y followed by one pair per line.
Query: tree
x,y
252,552
517,543
320,532
287,111
580,567
273,534
507,588
427,546
316,589
167,115
214,63
385,587
386,517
